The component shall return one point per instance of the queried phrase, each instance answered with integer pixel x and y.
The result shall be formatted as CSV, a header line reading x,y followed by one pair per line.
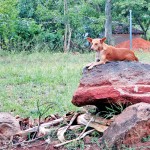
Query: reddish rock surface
x,y
129,128
114,82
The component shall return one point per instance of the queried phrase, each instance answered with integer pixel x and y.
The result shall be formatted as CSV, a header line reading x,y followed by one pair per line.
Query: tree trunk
x,y
68,31
66,26
142,27
69,37
65,38
108,23
145,35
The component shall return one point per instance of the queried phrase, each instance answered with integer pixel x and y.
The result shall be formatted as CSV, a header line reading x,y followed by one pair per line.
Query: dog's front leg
x,y
96,63
90,64
97,56
102,61
97,59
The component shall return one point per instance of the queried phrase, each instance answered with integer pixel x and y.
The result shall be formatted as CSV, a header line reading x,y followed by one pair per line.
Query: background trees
x,y
8,20
39,24
141,13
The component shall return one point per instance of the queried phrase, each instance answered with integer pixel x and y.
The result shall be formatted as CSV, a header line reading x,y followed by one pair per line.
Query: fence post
x,y
130,29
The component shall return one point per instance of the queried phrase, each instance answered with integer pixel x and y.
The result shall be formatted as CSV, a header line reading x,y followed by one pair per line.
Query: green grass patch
x,y
146,139
44,77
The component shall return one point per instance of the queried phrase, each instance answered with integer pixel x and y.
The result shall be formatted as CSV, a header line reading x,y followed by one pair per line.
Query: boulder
x,y
129,128
9,126
113,82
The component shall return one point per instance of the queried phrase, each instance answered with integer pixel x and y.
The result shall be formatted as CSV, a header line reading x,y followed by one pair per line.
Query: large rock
x,y
115,81
9,126
129,128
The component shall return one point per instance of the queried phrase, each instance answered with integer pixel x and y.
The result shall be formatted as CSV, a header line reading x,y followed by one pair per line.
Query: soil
x,y
137,43
41,145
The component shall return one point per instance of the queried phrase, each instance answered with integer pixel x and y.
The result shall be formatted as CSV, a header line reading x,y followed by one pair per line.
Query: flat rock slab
x,y
128,128
114,82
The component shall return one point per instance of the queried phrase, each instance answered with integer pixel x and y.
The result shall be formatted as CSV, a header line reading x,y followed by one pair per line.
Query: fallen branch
x,y
23,143
86,127
61,144
31,146
100,120
61,131
34,129
100,128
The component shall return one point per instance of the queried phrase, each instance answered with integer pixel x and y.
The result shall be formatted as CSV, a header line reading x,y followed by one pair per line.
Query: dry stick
x,y
61,144
33,140
80,136
61,131
27,142
42,125
86,127
26,145
72,120
36,145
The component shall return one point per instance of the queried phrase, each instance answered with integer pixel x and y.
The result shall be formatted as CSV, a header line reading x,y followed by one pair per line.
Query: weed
x,y
76,145
109,110
145,139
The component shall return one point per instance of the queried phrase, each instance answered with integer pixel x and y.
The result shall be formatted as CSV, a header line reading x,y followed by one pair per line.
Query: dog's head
x,y
97,44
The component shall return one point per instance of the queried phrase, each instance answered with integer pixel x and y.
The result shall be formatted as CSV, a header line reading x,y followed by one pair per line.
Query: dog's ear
x,y
89,39
103,39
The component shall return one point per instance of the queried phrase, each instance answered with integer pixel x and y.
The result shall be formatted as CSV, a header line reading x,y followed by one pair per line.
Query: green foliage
x,y
8,19
140,11
27,8
28,28
45,20
113,109
41,23
146,139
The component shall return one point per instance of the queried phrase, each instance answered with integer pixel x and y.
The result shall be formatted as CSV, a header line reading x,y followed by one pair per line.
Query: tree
x,y
27,8
8,19
140,11
67,34
108,23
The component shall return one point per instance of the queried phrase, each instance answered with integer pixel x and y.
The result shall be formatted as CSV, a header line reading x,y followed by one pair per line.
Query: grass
x,y
44,77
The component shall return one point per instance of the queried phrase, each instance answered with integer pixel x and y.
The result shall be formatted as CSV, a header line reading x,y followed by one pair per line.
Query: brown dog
x,y
109,53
